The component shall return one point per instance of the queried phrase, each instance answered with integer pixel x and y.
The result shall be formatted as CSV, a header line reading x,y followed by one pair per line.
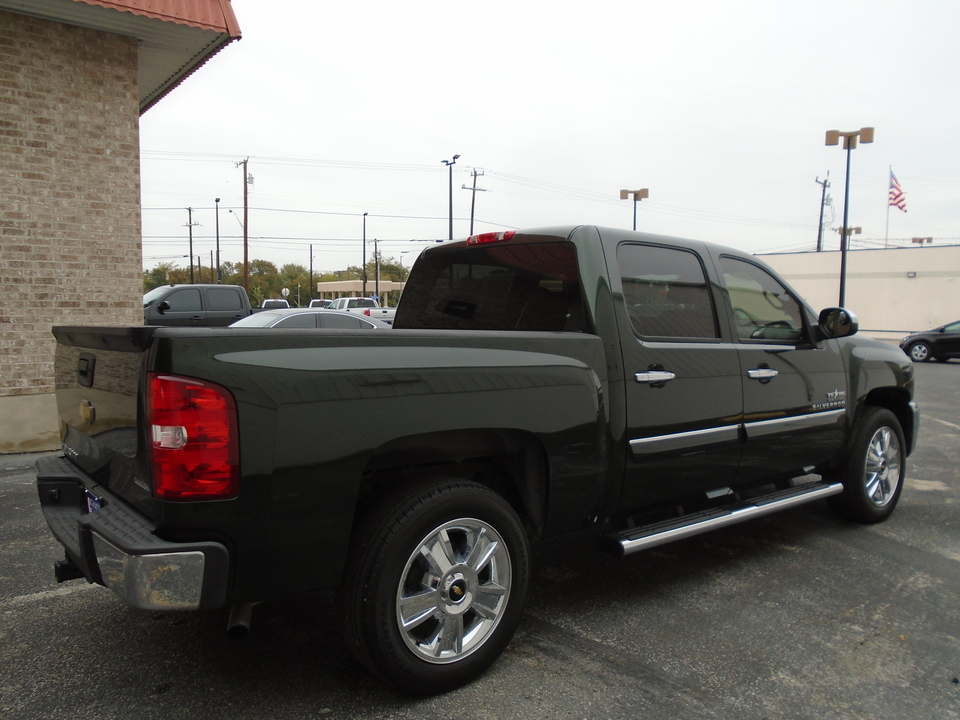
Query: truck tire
x,y
873,471
435,585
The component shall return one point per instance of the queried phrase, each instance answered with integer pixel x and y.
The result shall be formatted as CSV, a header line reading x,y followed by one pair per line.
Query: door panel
x,y
683,385
185,307
794,390
223,305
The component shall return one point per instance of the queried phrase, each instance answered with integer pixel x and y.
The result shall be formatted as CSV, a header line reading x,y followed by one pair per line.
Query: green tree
x,y
164,274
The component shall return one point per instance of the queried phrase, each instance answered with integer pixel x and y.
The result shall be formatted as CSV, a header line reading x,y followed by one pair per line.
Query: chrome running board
x,y
648,536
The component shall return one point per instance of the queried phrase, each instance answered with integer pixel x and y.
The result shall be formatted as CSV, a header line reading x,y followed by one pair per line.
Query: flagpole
x,y
886,233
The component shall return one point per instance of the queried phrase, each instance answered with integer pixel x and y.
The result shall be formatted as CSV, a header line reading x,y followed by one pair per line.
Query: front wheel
x,y
919,352
435,585
874,470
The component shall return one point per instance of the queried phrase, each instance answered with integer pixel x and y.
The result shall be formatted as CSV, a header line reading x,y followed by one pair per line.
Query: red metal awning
x,y
175,37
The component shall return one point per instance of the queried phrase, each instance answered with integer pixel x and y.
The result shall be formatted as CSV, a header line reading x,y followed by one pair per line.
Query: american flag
x,y
897,197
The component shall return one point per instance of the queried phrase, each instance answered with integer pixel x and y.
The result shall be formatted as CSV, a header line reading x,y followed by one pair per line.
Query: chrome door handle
x,y
654,376
762,373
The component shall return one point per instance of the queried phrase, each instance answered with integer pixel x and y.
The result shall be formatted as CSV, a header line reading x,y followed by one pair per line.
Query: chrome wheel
x,y
453,590
881,476
874,469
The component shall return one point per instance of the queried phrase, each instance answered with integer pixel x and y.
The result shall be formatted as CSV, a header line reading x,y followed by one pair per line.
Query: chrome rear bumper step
x,y
648,536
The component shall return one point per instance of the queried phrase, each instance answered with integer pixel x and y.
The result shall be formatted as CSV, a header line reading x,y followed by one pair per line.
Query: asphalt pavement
x,y
797,615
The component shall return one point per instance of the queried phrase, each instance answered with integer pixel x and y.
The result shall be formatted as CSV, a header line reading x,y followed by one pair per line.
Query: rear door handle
x,y
654,377
763,373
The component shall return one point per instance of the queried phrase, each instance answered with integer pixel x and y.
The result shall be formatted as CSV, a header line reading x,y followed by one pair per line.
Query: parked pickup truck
x,y
534,383
195,305
365,306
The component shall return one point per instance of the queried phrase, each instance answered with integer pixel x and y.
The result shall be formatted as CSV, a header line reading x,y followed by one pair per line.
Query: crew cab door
x,y
185,308
224,305
794,386
682,381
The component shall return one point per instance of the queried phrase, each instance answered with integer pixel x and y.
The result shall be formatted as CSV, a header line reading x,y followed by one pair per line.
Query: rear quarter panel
x,y
315,405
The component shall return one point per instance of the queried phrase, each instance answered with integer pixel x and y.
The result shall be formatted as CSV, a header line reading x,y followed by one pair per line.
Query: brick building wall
x,y
70,242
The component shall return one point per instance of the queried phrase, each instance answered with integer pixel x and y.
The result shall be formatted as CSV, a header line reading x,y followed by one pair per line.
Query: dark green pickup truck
x,y
534,383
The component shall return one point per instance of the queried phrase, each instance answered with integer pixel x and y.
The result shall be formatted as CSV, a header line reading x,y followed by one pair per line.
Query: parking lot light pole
x,y
450,164
849,143
637,196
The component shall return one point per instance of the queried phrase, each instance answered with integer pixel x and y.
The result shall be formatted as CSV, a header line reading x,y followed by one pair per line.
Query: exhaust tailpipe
x,y
238,624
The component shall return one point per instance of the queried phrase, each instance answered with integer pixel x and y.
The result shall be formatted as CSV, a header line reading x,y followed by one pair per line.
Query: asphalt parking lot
x,y
797,615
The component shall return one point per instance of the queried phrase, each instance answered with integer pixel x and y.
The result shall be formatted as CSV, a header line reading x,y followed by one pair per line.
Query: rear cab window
x,y
522,286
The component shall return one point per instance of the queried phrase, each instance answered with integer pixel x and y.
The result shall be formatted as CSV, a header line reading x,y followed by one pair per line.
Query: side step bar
x,y
648,536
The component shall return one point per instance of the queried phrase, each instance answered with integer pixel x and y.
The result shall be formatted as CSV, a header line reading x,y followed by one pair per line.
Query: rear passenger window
x,y
337,320
300,320
763,308
224,299
666,292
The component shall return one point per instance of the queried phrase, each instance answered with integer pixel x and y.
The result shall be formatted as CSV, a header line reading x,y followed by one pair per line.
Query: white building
x,y
892,291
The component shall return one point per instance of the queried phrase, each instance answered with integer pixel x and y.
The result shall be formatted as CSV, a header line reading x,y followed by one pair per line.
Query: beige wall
x,y
69,205
879,287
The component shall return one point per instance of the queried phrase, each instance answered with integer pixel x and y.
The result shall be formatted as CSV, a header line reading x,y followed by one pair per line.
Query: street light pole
x,y
450,164
637,196
849,144
364,268
217,202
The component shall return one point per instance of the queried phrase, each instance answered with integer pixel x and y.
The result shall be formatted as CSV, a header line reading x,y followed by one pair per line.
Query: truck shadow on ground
x,y
294,647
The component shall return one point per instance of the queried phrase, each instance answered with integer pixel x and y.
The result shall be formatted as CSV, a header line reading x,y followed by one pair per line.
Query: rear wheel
x,y
435,585
919,352
874,470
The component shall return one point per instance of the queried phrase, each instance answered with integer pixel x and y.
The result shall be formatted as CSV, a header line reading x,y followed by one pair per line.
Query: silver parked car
x,y
309,318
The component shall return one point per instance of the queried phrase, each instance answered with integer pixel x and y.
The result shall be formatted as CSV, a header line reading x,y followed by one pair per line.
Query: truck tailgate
x,y
98,374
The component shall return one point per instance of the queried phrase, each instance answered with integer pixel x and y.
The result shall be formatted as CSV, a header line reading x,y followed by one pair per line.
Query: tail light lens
x,y
367,312
194,444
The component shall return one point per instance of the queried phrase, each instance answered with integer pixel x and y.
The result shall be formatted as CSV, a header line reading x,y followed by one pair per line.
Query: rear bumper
x,y
117,547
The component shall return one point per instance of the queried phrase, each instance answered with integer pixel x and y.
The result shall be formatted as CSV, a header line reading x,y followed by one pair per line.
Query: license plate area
x,y
92,502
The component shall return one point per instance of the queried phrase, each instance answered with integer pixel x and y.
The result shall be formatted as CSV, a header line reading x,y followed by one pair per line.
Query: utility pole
x,y
217,201
473,199
823,200
311,271
247,181
212,279
450,164
376,258
364,266
190,224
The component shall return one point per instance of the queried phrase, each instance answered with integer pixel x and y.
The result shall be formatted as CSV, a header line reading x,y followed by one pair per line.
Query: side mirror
x,y
838,323
163,306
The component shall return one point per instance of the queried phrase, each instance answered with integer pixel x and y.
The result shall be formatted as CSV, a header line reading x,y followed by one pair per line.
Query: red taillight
x,y
193,439
367,312
490,237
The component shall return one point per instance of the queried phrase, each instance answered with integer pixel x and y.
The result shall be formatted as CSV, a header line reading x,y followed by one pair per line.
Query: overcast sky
x,y
719,108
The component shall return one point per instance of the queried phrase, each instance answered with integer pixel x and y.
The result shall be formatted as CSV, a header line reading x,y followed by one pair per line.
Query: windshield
x,y
155,293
